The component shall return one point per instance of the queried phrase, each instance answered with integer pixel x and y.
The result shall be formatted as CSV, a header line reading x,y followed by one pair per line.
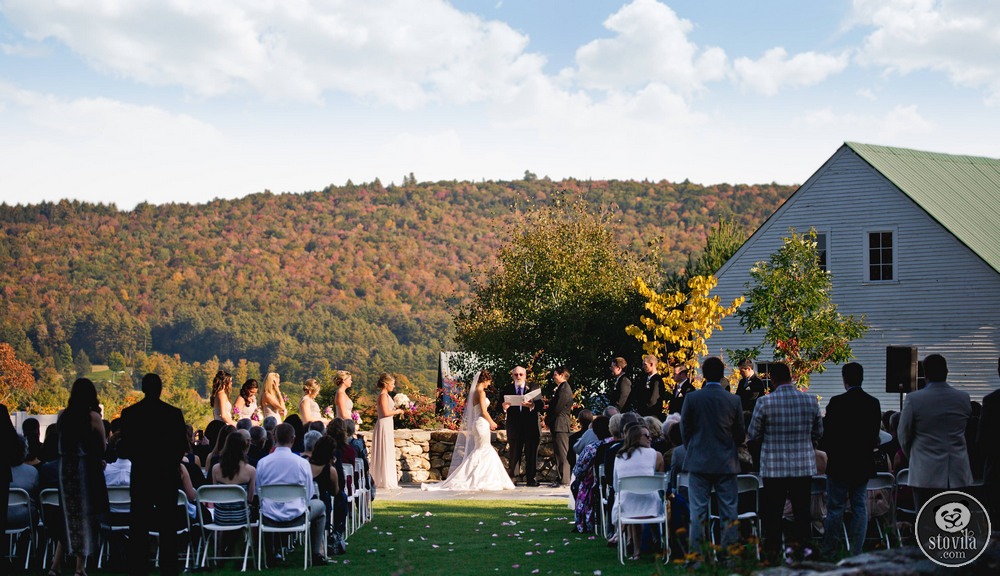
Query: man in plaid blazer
x,y
787,422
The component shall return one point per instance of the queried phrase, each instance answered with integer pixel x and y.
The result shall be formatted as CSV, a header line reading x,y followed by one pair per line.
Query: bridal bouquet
x,y
402,401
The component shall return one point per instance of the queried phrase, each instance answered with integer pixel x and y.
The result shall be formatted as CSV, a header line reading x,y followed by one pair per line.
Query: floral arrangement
x,y
328,412
402,401
356,416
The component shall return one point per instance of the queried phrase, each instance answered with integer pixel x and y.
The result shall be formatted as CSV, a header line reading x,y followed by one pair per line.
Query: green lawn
x,y
456,537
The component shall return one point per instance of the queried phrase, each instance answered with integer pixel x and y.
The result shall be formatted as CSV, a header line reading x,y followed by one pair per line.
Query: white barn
x,y
912,240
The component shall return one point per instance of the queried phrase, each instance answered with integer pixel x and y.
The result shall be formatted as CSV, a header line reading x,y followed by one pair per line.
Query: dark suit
x,y
989,446
523,433
749,390
10,447
557,419
621,395
652,394
850,436
677,396
153,437
712,428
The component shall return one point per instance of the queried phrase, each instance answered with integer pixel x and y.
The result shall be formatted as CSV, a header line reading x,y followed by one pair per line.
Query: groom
x,y
522,428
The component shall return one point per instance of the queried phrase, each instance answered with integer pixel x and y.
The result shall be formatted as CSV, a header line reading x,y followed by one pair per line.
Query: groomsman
x,y
653,392
622,390
682,388
558,421
523,430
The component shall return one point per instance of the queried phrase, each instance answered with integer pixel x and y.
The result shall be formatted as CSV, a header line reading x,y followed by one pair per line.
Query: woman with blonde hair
x,y
222,406
272,401
383,454
308,407
343,404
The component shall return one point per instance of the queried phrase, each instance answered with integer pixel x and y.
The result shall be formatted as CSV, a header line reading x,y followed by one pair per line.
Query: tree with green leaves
x,y
116,362
82,363
562,291
788,298
721,243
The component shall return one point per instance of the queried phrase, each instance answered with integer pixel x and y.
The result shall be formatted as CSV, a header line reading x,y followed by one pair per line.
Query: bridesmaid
x,y
308,408
222,406
272,401
383,454
342,402
246,402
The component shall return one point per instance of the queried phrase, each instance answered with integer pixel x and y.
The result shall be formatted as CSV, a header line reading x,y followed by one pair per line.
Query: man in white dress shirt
x,y
285,467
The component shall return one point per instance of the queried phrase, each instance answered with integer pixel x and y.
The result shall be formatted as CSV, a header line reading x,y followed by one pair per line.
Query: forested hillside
x,y
360,277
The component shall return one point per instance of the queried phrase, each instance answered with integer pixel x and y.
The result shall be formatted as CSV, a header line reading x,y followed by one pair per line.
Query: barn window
x,y
880,256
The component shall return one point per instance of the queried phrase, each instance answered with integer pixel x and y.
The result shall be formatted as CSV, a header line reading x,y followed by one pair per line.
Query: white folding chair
x,y
640,485
19,500
184,529
350,485
225,494
120,498
883,481
603,495
750,484
51,513
278,493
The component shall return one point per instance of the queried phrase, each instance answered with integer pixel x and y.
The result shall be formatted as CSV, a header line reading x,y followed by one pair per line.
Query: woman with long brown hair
x,y
383,437
222,406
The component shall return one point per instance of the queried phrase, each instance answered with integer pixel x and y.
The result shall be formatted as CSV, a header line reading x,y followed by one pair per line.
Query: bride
x,y
475,465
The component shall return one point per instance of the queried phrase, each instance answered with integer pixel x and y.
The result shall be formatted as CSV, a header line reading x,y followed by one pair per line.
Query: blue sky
x,y
178,101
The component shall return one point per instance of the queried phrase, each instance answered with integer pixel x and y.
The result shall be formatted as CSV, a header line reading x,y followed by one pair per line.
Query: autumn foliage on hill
x,y
359,277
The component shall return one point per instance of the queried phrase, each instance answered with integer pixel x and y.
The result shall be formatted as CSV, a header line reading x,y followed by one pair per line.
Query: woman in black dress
x,y
82,491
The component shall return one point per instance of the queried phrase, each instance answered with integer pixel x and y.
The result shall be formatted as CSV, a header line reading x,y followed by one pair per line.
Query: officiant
x,y
523,430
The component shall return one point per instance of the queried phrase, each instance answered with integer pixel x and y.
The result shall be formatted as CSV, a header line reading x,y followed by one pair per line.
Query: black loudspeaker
x,y
900,369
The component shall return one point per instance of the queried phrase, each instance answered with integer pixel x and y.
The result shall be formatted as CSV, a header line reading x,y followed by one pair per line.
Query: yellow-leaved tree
x,y
679,325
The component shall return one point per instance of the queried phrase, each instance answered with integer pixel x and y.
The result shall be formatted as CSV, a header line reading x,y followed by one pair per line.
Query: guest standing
x,y
712,428
557,419
222,406
342,402
850,437
83,494
787,422
272,401
9,446
989,444
932,433
154,438
383,438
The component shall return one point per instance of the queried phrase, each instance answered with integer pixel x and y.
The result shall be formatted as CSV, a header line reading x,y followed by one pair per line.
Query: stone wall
x,y
424,455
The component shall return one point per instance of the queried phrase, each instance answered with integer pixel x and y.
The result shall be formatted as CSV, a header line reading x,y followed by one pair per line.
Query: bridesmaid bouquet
x,y
402,401
356,416
328,412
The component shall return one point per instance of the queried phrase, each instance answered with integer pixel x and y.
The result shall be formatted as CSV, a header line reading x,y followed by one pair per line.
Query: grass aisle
x,y
480,537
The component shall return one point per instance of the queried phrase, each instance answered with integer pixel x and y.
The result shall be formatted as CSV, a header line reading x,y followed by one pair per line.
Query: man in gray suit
x,y
932,433
712,428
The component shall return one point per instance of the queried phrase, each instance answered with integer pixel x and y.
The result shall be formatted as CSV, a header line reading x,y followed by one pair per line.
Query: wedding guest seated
x,y
118,473
233,469
219,444
32,433
244,424
258,440
360,451
659,442
344,454
24,476
48,470
636,458
309,442
295,422
580,439
211,435
284,467
269,423
324,471
587,483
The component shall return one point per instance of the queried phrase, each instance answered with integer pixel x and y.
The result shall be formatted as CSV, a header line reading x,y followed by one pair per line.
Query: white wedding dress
x,y
475,465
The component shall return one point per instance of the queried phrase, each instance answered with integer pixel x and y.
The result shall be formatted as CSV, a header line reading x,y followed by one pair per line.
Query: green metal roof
x,y
961,192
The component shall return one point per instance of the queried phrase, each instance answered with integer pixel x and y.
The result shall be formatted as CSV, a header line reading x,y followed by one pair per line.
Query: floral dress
x,y
584,471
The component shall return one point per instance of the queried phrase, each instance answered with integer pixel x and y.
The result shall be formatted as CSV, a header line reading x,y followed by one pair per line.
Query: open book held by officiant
x,y
519,399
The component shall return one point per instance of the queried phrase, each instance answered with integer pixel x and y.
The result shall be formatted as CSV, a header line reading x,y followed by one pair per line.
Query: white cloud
x,y
406,52
650,46
956,37
775,70
893,125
